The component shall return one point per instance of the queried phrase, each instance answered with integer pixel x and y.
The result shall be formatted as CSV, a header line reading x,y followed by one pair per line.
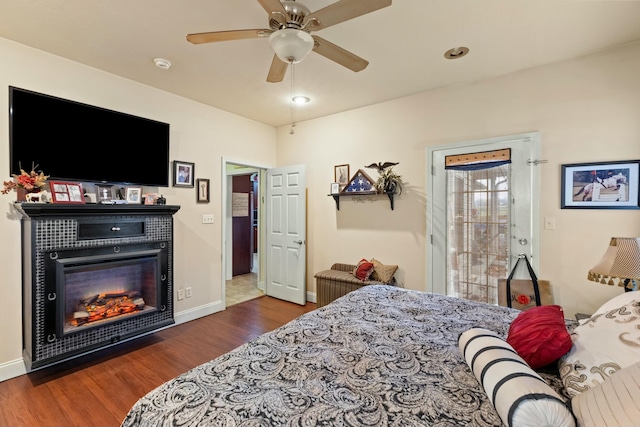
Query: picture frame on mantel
x,y
183,174
601,185
66,192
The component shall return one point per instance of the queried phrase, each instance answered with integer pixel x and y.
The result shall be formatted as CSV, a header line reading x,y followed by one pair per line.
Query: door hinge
x,y
536,162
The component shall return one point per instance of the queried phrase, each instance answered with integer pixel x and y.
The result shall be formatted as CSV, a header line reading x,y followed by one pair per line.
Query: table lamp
x,y
620,261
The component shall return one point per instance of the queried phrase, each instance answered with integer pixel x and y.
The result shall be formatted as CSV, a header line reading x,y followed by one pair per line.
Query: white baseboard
x,y
197,312
12,369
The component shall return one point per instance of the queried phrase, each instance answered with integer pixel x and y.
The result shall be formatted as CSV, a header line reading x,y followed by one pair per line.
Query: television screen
x,y
71,141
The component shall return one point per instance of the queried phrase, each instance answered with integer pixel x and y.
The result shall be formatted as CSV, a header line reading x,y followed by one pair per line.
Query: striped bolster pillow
x,y
519,395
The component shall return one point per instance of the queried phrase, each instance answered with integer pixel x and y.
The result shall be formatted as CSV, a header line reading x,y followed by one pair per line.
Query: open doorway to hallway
x,y
242,233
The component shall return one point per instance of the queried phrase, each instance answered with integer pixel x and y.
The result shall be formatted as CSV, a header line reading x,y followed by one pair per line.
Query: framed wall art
x,y
341,174
134,195
66,192
601,185
203,190
335,188
183,174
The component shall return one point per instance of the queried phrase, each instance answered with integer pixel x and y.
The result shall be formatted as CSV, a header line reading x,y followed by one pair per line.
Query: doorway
x,y
242,260
480,218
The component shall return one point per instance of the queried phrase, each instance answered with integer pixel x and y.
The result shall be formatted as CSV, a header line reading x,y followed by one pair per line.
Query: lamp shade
x,y
291,45
621,261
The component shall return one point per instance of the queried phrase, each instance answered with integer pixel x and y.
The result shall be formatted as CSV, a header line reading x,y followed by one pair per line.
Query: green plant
x,y
389,182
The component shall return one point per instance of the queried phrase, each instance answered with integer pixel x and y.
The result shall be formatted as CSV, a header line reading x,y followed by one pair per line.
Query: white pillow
x,y
614,403
520,396
602,345
618,301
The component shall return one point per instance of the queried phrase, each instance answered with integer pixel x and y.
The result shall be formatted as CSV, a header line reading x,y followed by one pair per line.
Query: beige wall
x,y
199,134
586,109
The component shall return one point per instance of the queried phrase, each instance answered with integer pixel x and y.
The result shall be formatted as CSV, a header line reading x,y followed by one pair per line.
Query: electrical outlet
x,y
180,294
207,218
187,292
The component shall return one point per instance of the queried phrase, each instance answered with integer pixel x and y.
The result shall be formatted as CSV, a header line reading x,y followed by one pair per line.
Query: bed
x,y
378,356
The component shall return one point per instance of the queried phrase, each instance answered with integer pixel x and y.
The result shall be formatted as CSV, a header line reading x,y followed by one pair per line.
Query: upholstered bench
x,y
339,280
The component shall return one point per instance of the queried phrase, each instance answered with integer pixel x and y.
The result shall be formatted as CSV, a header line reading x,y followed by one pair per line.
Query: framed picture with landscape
x,y
601,185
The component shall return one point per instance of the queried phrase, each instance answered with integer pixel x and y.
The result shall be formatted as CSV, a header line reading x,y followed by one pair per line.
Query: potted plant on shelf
x,y
389,182
26,183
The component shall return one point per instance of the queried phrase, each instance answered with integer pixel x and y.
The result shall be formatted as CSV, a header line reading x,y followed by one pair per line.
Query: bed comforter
x,y
379,356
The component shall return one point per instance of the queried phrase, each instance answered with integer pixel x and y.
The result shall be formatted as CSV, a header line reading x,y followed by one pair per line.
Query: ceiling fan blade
x,y
277,70
273,7
341,11
339,55
223,36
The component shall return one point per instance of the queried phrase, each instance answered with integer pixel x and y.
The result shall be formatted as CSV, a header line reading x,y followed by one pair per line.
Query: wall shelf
x,y
336,197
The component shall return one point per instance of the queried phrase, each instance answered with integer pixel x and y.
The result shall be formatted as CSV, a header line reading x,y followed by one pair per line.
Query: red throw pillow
x,y
363,270
539,335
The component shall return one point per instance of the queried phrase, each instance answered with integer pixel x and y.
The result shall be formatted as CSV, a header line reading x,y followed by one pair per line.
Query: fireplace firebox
x,y
93,276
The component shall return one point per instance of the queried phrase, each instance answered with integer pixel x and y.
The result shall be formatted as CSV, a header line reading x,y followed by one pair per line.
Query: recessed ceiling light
x,y
162,63
456,52
300,100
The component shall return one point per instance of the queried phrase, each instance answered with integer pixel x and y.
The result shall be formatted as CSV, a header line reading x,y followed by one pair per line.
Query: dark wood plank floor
x,y
99,389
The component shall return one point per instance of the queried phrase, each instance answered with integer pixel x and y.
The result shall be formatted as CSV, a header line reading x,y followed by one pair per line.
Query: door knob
x,y
298,242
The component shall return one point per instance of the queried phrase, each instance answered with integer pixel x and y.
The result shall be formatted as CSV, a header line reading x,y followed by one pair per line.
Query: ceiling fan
x,y
290,23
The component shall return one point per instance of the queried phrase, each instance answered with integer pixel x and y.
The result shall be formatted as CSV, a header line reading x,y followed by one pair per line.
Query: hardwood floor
x,y
99,389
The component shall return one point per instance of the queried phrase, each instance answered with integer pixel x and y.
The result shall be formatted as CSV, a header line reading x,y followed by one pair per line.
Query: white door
x,y
480,221
286,234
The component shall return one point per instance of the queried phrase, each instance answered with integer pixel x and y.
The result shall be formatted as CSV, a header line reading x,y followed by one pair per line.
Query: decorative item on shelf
x,y
620,261
66,192
388,181
26,183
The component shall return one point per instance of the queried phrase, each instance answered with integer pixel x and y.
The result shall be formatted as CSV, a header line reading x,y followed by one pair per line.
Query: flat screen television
x,y
72,141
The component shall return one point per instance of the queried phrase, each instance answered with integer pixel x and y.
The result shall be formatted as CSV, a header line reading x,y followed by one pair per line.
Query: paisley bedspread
x,y
379,356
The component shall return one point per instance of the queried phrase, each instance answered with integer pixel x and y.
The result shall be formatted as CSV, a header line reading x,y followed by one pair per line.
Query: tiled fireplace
x,y
93,276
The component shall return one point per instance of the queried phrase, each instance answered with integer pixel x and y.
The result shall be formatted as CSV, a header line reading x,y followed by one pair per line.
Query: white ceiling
x,y
404,44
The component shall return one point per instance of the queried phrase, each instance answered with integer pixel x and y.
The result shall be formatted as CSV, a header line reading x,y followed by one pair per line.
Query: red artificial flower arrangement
x,y
30,181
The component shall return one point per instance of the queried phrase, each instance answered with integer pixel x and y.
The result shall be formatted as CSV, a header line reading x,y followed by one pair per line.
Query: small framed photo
x,y
105,193
134,195
151,198
341,175
335,188
203,190
183,174
601,185
66,192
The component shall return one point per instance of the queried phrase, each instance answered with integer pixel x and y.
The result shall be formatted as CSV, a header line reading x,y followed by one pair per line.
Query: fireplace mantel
x,y
33,210
60,239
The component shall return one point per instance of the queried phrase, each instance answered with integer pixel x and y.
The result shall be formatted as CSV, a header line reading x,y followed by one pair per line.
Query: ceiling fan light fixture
x,y
300,99
291,45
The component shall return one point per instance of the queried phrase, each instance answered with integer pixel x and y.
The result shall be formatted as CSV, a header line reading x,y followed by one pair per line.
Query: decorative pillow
x,y
619,301
520,396
540,335
383,273
602,345
613,403
363,270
